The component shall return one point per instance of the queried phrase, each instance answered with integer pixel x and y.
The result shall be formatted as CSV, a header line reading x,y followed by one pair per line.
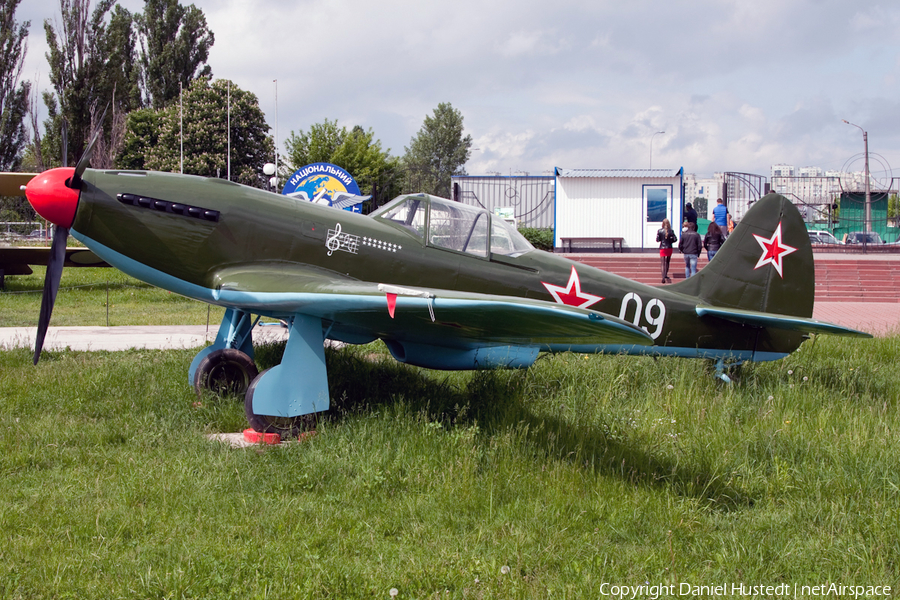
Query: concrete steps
x,y
838,278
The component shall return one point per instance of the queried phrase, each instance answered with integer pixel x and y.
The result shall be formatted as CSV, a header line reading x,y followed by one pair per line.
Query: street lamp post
x,y
651,146
275,178
868,185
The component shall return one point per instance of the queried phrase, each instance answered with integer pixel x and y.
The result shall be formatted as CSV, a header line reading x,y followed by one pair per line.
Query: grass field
x,y
556,482
85,293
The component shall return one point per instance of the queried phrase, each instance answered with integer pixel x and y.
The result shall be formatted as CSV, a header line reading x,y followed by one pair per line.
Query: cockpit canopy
x,y
454,226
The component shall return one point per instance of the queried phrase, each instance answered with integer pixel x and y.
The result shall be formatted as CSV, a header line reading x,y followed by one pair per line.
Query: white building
x,y
782,171
812,185
706,187
617,203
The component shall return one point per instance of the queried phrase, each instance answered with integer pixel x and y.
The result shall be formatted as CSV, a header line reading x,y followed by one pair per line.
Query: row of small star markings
x,y
381,244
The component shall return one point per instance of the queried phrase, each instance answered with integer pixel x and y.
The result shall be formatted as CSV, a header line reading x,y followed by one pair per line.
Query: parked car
x,y
863,237
822,237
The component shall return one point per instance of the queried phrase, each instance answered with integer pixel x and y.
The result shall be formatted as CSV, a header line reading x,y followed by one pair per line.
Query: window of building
x,y
657,204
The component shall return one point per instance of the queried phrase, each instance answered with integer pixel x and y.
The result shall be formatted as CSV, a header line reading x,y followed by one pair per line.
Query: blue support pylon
x,y
299,385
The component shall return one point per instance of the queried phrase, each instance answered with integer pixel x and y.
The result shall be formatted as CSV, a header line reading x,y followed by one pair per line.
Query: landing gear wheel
x,y
225,372
284,426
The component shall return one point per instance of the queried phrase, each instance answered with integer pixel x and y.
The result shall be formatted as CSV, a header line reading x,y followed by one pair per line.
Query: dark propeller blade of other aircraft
x,y
51,285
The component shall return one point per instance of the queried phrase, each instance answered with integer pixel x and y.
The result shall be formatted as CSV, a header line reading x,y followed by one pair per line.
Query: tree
x,y
893,209
141,134
436,152
44,152
175,43
356,151
701,205
92,67
14,95
317,145
153,138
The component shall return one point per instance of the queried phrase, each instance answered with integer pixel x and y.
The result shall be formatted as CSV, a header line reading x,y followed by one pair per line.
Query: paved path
x,y
123,338
877,318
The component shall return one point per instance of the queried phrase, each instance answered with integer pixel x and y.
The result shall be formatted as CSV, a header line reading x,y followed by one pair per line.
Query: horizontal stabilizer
x,y
788,323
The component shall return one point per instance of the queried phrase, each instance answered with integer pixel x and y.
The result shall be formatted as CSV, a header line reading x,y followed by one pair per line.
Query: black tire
x,y
225,372
283,426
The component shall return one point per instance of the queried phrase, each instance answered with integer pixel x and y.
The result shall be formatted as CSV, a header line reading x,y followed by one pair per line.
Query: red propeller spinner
x,y
52,198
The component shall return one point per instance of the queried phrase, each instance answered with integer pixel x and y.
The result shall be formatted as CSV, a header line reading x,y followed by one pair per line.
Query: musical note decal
x,y
338,240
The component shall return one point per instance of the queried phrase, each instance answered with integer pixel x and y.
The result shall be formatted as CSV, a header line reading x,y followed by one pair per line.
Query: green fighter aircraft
x,y
444,285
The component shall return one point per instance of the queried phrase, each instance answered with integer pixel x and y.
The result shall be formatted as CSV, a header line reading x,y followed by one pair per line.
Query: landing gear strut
x,y
727,371
283,399
284,426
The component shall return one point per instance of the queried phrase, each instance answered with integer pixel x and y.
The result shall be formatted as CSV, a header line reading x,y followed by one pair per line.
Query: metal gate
x,y
528,198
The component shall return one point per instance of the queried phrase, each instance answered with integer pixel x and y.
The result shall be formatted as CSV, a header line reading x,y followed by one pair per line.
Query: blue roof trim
x,y
460,177
556,243
620,173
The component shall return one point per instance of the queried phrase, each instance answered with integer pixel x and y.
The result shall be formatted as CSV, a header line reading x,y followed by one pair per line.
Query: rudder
x,y
765,265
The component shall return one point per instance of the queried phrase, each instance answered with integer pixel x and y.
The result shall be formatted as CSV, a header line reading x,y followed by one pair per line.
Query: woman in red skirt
x,y
666,238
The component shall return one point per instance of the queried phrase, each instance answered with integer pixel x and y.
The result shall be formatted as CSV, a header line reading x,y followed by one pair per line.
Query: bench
x,y
616,242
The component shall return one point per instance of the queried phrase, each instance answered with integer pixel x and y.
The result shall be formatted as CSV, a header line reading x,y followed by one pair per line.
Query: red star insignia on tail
x,y
572,295
773,251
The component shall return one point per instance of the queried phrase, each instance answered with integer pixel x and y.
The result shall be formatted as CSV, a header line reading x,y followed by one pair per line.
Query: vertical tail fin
x,y
765,265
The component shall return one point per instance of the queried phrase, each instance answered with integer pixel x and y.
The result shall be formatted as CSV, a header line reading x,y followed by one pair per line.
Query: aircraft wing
x,y
11,183
786,322
427,316
14,260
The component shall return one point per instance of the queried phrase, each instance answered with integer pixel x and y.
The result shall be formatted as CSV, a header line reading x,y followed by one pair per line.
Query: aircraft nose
x,y
52,198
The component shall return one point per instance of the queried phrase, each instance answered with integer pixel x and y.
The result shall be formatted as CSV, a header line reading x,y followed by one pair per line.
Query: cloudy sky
x,y
735,85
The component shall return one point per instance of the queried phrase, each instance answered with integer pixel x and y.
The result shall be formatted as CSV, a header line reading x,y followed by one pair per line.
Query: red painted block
x,y
255,437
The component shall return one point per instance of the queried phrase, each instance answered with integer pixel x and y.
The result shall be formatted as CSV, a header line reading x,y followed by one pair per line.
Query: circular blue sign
x,y
325,183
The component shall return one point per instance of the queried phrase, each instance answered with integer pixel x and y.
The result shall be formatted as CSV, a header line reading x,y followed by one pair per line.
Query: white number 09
x,y
651,320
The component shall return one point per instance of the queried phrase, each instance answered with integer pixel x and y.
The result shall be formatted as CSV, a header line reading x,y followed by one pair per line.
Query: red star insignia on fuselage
x,y
773,251
571,295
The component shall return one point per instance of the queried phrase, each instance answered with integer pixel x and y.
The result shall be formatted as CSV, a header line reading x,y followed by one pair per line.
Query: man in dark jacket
x,y
690,245
690,215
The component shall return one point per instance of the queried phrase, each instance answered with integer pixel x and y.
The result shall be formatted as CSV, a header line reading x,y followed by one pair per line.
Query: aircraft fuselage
x,y
192,230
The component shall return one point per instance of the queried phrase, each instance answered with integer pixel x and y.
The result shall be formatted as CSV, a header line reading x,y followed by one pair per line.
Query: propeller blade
x,y
51,285
83,163
85,160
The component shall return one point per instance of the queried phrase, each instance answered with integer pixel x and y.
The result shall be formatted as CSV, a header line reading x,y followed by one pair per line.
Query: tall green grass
x,y
542,483
98,297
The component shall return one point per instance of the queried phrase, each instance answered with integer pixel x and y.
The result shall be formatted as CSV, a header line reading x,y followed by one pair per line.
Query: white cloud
x,y
735,85
532,43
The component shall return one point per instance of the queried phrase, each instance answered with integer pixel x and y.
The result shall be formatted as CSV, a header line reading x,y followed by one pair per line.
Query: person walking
x,y
720,214
690,245
666,238
690,215
713,240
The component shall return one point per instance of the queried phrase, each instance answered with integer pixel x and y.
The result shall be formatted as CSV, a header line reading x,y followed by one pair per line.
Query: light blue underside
x,y
338,302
